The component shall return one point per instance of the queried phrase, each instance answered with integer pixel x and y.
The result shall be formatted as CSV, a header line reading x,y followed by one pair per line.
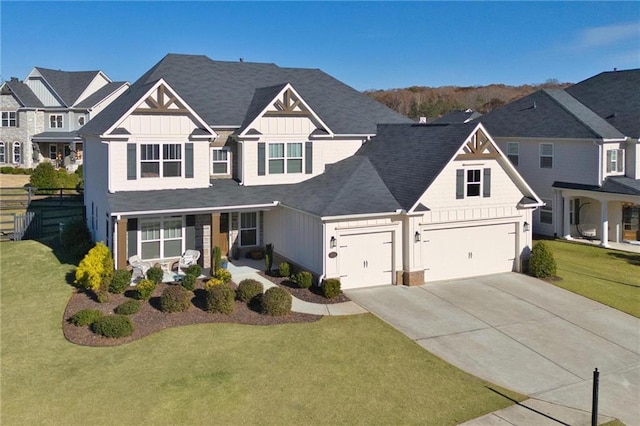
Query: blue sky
x,y
368,45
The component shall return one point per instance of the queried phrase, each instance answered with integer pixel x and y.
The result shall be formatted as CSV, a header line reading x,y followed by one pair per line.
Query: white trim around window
x,y
615,161
473,182
546,155
161,160
17,153
285,158
220,161
56,121
161,238
248,229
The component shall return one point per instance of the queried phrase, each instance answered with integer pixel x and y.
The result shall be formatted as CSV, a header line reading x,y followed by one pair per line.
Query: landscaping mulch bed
x,y
312,294
150,319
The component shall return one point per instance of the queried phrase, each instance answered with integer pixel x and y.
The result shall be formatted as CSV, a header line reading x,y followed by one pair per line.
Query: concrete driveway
x,y
523,334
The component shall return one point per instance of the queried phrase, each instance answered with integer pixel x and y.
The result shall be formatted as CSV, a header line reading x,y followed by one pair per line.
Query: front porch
x,y
630,247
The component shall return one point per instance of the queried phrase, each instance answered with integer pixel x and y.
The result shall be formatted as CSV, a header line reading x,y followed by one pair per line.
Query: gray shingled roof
x,y
24,94
544,114
68,85
614,96
261,98
222,93
454,117
614,185
55,136
100,94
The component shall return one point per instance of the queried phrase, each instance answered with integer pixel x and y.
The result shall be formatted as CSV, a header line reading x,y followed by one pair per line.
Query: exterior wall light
x,y
416,237
526,227
332,242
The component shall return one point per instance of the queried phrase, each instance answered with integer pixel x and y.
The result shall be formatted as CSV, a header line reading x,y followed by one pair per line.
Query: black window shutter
x,y
609,155
576,211
486,184
131,161
190,233
261,158
308,157
132,237
188,159
459,184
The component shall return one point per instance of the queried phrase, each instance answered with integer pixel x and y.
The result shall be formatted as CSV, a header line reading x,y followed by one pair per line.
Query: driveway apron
x,y
523,334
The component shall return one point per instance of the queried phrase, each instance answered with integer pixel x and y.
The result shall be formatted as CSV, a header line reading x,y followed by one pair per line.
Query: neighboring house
x,y
41,115
200,153
578,149
460,116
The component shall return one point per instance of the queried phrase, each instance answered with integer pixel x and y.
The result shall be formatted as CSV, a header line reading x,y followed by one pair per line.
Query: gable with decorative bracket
x,y
478,147
288,106
161,101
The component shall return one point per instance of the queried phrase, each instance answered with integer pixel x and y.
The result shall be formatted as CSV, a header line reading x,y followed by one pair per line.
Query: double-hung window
x,y
473,182
249,229
9,119
17,153
171,160
513,152
219,161
546,155
285,158
55,121
161,238
153,164
615,161
150,160
546,212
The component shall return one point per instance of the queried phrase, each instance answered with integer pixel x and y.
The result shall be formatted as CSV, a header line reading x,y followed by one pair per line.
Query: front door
x,y
220,228
631,223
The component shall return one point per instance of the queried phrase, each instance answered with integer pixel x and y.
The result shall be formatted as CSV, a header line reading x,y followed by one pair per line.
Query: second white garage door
x,y
467,252
366,260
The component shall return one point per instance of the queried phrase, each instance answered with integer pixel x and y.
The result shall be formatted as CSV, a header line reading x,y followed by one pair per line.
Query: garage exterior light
x,y
526,227
416,237
332,242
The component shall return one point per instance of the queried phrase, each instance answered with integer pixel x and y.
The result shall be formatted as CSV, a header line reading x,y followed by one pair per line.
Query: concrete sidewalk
x,y
523,334
241,270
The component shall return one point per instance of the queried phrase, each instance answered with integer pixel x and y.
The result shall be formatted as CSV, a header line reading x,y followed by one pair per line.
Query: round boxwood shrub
x,y
129,307
223,275
120,281
284,270
221,298
304,279
248,289
155,274
542,264
175,299
144,289
188,282
85,317
276,301
331,288
113,326
194,269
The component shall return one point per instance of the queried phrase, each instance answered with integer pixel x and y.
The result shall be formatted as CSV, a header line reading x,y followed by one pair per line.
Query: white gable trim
x,y
288,86
142,99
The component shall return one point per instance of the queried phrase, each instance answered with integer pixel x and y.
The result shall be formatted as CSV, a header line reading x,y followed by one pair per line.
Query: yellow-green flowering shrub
x,y
96,269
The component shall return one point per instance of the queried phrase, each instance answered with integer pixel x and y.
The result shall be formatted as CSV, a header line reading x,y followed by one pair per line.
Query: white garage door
x,y
467,252
366,260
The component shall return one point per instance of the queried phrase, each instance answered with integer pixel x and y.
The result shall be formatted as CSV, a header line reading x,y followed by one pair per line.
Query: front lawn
x,y
610,277
353,370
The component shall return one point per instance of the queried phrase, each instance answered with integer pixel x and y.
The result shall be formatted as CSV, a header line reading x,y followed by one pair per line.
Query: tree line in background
x,y
433,102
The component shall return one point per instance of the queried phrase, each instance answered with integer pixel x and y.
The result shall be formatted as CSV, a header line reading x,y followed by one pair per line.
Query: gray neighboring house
x,y
579,150
42,114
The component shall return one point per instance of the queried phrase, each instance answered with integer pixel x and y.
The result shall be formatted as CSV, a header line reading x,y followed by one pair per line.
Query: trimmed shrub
x,y
44,176
95,269
129,307
304,279
113,326
144,289
285,269
221,298
155,274
67,180
121,280
188,282
217,258
276,301
223,275
194,269
213,282
75,238
85,317
102,295
542,263
175,299
248,289
331,288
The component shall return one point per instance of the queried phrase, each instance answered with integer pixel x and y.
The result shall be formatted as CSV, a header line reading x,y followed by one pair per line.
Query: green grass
x,y
610,277
353,370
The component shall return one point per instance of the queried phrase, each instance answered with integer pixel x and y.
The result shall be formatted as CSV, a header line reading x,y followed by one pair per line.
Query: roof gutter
x,y
362,215
165,212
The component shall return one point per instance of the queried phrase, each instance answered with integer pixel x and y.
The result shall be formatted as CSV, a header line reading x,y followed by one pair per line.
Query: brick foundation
x,y
413,278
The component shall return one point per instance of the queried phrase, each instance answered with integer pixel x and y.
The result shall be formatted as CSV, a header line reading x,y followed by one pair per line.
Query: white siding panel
x,y
98,82
42,92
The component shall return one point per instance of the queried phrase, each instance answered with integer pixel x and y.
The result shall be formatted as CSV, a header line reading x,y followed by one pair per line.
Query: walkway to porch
x,y
628,247
248,268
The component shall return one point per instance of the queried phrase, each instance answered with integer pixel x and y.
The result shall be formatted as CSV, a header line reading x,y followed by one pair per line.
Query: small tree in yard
x,y
542,264
96,269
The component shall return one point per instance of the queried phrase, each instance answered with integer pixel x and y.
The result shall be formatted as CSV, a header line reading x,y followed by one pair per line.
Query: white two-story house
x,y
42,114
200,153
578,149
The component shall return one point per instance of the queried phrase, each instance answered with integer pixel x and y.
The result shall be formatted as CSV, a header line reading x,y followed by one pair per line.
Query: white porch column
x,y
566,221
604,231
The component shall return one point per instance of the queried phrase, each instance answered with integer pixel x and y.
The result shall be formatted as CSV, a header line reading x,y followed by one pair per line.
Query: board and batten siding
x,y
42,92
296,236
95,186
